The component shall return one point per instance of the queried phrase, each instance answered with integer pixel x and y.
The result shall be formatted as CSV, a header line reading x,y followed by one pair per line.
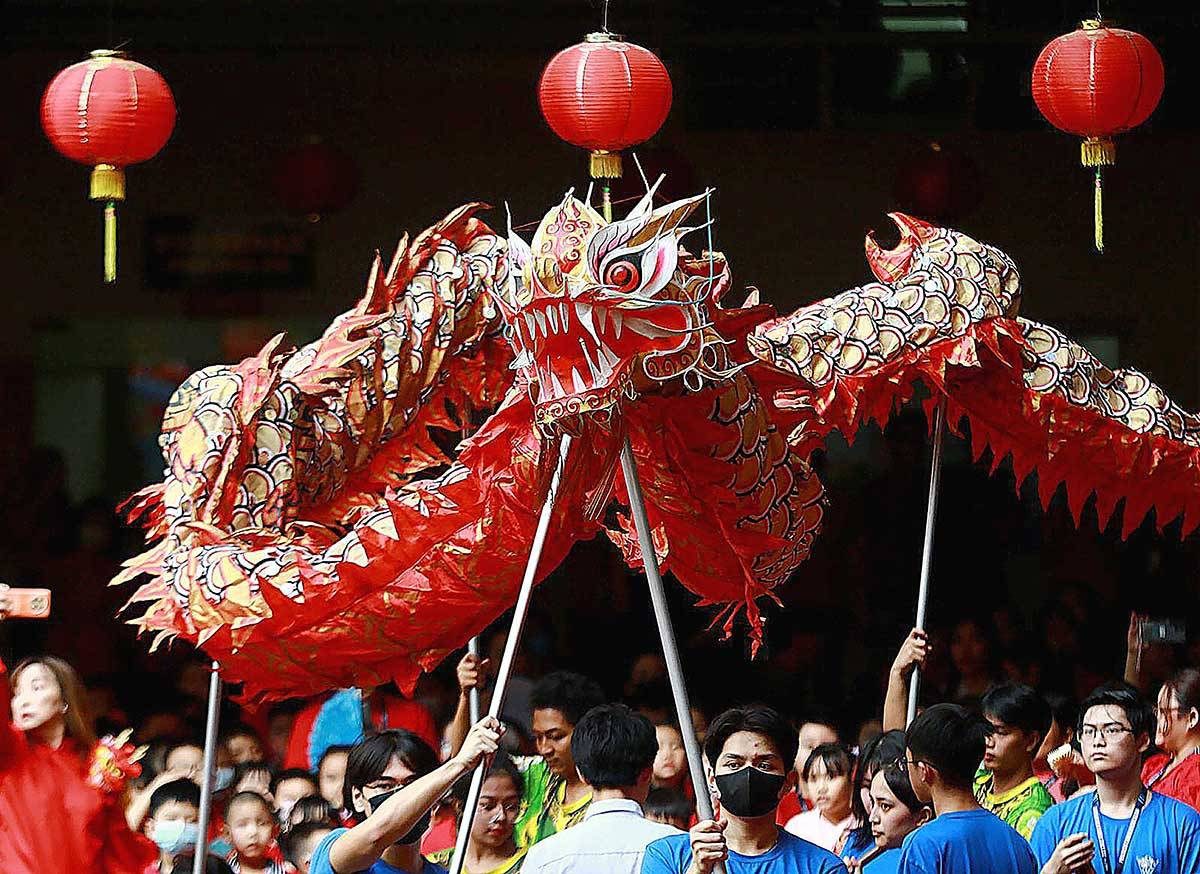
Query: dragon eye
x,y
622,276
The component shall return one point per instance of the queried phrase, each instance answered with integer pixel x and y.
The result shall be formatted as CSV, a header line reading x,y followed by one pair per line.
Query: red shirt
x,y
396,713
1182,784
51,819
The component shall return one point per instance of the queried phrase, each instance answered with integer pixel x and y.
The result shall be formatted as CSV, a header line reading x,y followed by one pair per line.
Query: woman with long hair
x,y
895,812
877,753
1175,772
61,793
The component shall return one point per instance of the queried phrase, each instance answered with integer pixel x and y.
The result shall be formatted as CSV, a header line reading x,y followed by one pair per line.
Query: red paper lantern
x,y
1097,82
939,184
108,112
605,95
315,179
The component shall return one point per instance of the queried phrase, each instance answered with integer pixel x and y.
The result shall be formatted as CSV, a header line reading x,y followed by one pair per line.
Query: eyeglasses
x,y
902,763
1112,731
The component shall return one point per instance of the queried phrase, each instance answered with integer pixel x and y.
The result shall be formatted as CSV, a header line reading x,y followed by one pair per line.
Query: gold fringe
x,y
108,183
1099,211
110,241
1097,152
605,165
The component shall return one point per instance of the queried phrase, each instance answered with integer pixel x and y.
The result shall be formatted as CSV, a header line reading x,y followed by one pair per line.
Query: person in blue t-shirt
x,y
945,746
895,813
751,751
392,781
1122,826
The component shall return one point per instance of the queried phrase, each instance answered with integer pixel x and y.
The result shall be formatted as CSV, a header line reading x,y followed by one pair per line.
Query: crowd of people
x,y
1009,781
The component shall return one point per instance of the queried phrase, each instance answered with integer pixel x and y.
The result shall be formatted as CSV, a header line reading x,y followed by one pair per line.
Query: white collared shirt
x,y
610,840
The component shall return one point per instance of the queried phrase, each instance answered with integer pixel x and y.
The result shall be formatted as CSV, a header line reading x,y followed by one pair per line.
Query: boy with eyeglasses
x,y
1122,826
944,744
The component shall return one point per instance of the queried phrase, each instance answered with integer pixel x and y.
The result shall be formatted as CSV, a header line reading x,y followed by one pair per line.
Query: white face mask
x,y
223,778
174,835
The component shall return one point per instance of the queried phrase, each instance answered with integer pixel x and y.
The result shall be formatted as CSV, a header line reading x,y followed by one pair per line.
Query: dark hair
x,y
837,759
612,746
292,774
1062,710
313,808
757,718
239,729
897,779
181,791
503,766
1138,710
1018,706
184,863
879,752
669,803
329,751
570,694
239,797
1186,686
241,769
951,739
370,757
292,841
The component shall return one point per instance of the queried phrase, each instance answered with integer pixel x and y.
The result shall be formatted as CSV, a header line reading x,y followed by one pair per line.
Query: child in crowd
x,y
253,777
827,774
301,840
669,806
242,744
172,822
331,772
252,828
288,787
670,765
312,809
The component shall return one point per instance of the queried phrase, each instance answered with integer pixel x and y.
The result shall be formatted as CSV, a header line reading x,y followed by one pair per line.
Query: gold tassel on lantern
x,y
108,185
1098,152
605,165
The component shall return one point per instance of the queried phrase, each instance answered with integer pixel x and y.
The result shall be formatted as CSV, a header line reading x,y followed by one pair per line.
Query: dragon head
x,y
598,311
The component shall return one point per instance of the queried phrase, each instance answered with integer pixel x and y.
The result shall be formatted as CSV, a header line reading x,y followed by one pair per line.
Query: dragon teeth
x,y
592,368
601,317
558,387
552,315
618,321
583,312
531,327
541,323
577,380
564,311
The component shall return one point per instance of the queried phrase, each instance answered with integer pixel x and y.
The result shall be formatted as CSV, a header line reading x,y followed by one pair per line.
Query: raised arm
x,y
470,672
9,736
913,653
362,846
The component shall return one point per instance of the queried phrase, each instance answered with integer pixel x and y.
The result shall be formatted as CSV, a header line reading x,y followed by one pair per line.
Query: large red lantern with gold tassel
x,y
108,112
605,95
1096,82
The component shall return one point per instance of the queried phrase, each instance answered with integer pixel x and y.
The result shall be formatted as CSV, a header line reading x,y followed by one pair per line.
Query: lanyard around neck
x,y
1102,844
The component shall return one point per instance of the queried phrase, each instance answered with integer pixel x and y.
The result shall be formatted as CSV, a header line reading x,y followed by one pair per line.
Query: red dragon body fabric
x,y
309,533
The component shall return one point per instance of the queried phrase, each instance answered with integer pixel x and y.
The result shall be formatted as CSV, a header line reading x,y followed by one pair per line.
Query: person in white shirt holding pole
x,y
614,750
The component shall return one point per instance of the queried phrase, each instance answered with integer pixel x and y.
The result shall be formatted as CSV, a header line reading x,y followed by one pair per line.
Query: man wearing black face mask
x,y
392,781
751,751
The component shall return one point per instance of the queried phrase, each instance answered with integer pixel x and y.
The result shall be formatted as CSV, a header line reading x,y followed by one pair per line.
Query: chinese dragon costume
x,y
309,533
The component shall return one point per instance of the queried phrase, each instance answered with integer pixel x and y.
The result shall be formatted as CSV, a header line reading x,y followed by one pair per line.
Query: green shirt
x,y
544,810
1021,807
